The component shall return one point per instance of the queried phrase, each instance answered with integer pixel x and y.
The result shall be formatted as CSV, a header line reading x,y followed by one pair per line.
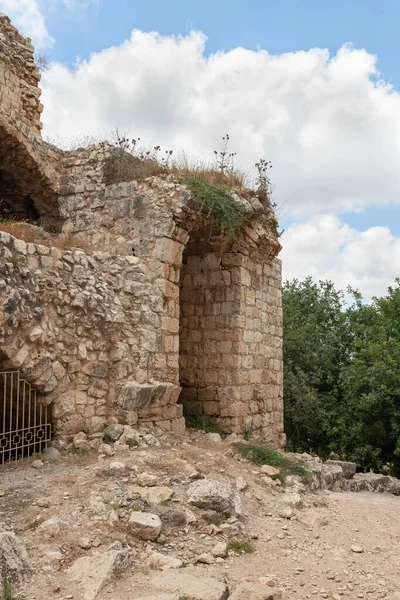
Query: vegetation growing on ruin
x,y
212,183
342,375
261,454
195,420
218,204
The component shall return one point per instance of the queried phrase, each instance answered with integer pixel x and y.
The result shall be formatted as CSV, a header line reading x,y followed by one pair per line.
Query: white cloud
x,y
331,128
326,248
27,16
78,4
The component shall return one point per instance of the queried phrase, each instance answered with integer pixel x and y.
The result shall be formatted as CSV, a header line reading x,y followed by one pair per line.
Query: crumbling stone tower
x,y
119,300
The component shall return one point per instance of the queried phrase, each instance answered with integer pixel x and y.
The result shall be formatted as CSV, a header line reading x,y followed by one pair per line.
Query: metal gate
x,y
25,426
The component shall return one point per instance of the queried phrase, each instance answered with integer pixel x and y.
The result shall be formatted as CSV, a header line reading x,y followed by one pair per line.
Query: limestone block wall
x,y
231,342
209,304
19,78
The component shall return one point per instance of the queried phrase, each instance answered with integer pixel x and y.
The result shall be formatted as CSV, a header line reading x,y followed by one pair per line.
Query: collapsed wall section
x,y
29,168
19,78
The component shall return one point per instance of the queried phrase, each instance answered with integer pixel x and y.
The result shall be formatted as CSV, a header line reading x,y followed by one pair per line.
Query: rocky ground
x,y
169,518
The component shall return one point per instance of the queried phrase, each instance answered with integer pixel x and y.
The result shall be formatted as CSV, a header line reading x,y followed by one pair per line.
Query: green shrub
x,y
195,420
240,547
7,593
218,203
263,455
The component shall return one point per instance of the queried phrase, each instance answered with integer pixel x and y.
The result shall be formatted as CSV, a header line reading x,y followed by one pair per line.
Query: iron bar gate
x,y
25,427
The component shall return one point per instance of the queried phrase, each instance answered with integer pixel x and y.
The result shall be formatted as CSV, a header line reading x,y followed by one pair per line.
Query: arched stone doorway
x,y
25,419
230,335
25,193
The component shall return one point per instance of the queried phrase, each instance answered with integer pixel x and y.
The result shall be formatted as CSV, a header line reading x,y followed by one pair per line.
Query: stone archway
x,y
25,419
208,360
230,333
26,194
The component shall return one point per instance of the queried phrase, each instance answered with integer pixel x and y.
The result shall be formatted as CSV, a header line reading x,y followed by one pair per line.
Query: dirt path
x,y
311,557
307,556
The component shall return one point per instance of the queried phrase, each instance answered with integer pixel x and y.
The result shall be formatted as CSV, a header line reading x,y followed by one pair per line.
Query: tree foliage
x,y
342,374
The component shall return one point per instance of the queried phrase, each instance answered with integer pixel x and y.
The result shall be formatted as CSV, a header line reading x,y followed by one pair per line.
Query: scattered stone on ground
x,y
176,508
93,573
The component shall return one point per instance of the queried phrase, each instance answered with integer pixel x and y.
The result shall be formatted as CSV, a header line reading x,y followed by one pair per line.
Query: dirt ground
x,y
307,556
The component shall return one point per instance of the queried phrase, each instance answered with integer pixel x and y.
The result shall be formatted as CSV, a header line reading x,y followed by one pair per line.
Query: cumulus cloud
x,y
326,248
330,126
27,16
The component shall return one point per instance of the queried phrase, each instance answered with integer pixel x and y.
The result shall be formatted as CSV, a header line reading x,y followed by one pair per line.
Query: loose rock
x,y
93,573
145,525
215,495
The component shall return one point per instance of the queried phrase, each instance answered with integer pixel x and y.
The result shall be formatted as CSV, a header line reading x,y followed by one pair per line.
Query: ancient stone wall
x,y
116,297
19,78
115,313
231,341
29,168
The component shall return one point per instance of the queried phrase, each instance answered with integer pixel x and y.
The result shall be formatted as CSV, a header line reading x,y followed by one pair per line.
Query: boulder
x,y
112,433
393,486
80,441
214,495
220,550
105,449
332,477
192,583
213,438
368,482
255,591
270,471
130,437
348,468
13,558
93,573
151,495
293,500
116,467
145,525
53,526
147,479
162,561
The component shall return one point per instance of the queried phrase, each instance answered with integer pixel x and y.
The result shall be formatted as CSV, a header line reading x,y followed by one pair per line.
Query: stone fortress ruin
x,y
117,300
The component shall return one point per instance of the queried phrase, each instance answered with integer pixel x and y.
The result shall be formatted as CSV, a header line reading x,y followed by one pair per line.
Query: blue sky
x,y
278,26
275,25
329,121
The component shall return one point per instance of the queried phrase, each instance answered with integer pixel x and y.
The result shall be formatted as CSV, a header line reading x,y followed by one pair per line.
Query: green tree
x,y
371,384
342,374
314,351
